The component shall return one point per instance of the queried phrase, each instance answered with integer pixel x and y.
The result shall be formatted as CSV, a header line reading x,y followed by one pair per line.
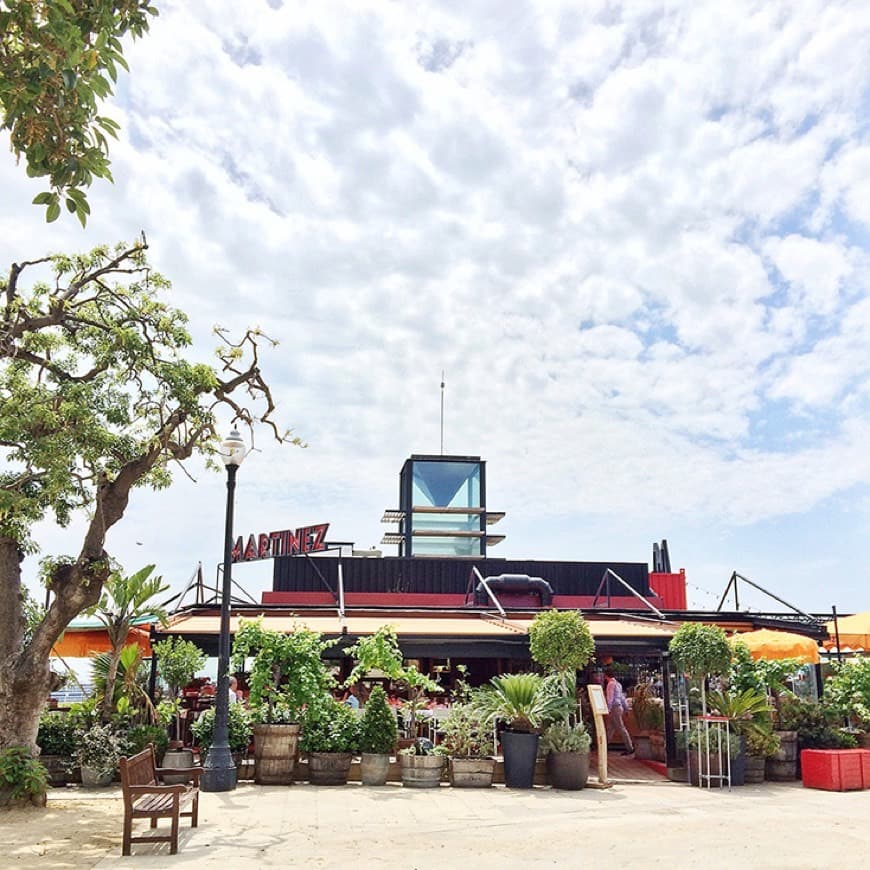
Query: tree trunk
x,y
24,680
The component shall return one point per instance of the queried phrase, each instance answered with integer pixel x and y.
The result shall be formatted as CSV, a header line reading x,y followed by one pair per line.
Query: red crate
x,y
835,769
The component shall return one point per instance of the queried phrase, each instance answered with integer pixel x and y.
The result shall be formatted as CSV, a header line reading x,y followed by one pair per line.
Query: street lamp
x,y
220,773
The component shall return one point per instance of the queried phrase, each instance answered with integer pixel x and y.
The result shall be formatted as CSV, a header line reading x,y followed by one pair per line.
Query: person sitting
x,y
351,697
234,690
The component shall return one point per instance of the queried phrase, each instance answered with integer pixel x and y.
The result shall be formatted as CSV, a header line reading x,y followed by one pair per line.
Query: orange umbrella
x,y
767,644
854,630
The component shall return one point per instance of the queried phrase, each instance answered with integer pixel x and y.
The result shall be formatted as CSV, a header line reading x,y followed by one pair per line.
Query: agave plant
x,y
748,711
524,702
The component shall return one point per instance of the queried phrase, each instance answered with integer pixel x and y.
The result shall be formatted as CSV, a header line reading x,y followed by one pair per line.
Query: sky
x,y
635,236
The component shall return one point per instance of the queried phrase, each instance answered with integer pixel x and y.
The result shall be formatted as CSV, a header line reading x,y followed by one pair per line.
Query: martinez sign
x,y
287,543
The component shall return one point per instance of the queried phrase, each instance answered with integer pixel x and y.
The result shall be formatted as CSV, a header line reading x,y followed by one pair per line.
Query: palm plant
x,y
524,701
128,690
128,599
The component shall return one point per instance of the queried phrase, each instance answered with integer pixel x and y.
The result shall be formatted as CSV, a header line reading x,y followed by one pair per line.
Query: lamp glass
x,y
233,449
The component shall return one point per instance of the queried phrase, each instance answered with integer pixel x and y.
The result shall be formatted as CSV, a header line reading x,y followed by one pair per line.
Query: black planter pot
x,y
520,753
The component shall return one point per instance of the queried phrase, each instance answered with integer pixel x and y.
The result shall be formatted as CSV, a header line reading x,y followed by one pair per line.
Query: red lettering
x,y
251,550
263,547
276,539
236,552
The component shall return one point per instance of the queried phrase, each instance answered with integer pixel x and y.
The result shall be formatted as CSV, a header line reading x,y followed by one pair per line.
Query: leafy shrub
x,y
57,734
465,736
378,728
562,737
98,748
815,725
648,709
22,774
848,691
762,742
139,736
698,736
288,673
330,726
238,726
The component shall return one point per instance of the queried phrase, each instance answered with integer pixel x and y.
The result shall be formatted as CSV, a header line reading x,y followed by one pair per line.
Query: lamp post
x,y
220,773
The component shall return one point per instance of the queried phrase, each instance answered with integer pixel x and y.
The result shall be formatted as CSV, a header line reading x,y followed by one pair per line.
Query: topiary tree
x,y
561,640
178,660
700,650
378,729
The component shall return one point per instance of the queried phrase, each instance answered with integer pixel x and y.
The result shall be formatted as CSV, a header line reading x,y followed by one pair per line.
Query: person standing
x,y
617,707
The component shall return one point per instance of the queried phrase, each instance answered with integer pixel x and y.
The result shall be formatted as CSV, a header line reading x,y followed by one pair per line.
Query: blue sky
x,y
635,235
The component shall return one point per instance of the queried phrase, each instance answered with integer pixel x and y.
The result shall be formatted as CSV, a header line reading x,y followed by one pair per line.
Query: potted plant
x,y
649,719
239,728
524,702
178,660
377,737
567,748
56,739
98,750
747,712
470,747
287,675
710,745
761,744
330,737
848,693
422,765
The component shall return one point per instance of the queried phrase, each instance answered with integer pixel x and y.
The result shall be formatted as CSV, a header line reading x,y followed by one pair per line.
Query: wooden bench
x,y
146,798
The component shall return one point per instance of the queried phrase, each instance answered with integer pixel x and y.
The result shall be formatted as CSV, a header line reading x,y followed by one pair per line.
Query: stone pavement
x,y
648,825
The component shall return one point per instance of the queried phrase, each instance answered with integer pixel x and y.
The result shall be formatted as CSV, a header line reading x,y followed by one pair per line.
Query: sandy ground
x,y
661,825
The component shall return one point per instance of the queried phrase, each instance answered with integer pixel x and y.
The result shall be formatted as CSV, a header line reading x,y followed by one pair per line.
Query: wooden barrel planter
x,y
421,771
782,767
177,758
755,765
471,772
374,768
61,769
329,768
275,753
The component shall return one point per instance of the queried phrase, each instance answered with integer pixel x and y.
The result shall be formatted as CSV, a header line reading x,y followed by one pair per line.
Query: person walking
x,y
617,707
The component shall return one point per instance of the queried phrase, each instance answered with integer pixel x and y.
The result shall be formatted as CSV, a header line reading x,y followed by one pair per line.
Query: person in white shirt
x,y
234,690
617,707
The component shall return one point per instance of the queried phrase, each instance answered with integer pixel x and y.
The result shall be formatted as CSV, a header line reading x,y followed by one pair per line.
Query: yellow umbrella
x,y
767,644
854,630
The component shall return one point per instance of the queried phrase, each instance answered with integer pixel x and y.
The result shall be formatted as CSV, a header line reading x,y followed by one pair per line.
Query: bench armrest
x,y
193,773
140,790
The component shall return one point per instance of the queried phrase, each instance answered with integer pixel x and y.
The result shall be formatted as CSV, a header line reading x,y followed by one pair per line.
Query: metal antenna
x,y
442,412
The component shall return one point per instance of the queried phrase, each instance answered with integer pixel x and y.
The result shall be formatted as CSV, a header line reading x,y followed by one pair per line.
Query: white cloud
x,y
633,234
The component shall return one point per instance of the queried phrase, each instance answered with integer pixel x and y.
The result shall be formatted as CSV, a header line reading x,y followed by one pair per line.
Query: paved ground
x,y
630,825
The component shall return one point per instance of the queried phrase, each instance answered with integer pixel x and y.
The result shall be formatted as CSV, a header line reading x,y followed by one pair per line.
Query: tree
x,y
128,599
561,640
96,398
178,660
57,58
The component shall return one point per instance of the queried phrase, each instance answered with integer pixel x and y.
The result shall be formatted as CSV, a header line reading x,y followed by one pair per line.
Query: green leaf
x,y
44,198
52,213
69,79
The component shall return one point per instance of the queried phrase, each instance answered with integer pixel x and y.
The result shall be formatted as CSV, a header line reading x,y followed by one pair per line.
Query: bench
x,y
146,798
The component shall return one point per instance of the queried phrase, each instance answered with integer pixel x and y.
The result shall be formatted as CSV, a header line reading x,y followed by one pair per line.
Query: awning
x,y
854,631
85,642
407,625
767,644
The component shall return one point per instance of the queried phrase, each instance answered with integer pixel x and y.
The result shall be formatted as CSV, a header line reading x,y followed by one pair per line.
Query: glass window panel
x,y
446,484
